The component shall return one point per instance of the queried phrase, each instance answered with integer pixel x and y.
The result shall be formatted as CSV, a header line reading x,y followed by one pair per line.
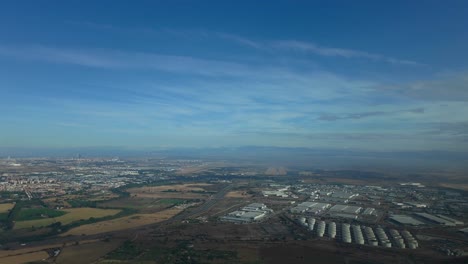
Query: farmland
x,y
142,204
25,258
71,215
37,213
123,222
5,207
86,253
25,254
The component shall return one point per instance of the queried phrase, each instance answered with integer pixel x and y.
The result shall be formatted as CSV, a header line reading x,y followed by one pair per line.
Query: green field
x,y
3,216
26,214
144,205
82,203
70,216
172,201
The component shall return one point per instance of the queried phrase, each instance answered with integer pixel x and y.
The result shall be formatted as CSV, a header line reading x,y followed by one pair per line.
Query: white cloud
x,y
266,44
336,52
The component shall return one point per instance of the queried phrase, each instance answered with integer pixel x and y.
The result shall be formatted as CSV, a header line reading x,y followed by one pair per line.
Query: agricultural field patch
x,y
25,258
9,253
5,207
72,215
86,253
142,204
26,214
123,223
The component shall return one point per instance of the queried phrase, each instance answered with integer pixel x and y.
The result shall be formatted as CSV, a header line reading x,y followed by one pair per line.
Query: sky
x,y
369,75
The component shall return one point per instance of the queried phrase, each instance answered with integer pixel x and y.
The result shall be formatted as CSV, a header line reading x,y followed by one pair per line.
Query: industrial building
x,y
405,220
255,207
440,220
347,209
340,197
454,221
250,213
369,211
310,207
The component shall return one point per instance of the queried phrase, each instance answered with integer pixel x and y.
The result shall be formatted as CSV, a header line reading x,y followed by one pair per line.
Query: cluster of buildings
x,y
310,207
250,213
42,178
362,235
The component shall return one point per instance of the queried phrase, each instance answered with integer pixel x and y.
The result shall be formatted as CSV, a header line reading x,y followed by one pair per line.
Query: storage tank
x,y
383,238
409,239
311,223
345,233
412,245
357,234
320,228
397,239
331,230
370,236
302,221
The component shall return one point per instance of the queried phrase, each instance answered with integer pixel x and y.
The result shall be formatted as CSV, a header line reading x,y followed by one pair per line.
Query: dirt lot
x,y
238,194
182,191
123,223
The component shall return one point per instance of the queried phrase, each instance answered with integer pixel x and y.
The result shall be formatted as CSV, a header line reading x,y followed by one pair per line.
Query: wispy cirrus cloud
x,y
445,87
309,47
335,117
305,47
265,44
450,128
114,59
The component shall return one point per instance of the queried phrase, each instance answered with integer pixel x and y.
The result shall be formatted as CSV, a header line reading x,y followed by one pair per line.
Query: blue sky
x,y
154,74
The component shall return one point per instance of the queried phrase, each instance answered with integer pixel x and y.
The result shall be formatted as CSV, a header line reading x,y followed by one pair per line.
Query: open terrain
x,y
5,207
182,191
238,194
25,258
72,215
86,253
142,204
123,223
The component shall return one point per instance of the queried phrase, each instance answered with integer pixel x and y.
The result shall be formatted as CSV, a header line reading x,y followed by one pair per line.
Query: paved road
x,y
204,207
